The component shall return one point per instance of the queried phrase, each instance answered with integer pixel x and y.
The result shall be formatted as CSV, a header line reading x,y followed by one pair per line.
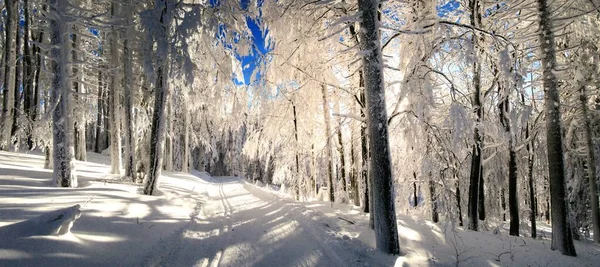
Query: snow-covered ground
x,y
199,220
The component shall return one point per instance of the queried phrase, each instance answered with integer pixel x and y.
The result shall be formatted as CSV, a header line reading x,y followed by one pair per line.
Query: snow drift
x,y
58,222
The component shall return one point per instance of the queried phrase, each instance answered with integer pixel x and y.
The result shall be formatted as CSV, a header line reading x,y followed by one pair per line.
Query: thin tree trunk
x,y
10,60
99,118
415,199
114,112
513,203
532,198
562,239
130,161
458,201
341,152
433,199
186,138
161,92
38,67
354,172
169,138
328,143
591,166
28,76
380,169
62,145
18,84
297,184
79,125
475,189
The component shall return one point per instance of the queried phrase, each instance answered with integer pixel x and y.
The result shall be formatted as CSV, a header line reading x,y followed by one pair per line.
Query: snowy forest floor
x,y
199,220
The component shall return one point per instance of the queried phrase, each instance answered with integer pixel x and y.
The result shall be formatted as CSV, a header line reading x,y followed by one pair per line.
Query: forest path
x,y
241,225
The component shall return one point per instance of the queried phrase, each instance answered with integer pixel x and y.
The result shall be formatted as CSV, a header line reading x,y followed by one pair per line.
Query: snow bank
x,y
58,222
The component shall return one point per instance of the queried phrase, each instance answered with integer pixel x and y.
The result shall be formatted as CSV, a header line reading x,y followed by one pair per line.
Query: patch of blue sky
x,y
448,8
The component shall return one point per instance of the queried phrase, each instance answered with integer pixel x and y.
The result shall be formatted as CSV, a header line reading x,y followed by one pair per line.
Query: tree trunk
x,y
80,145
185,166
476,203
354,172
161,92
328,142
513,203
18,83
62,145
99,118
114,111
130,161
433,200
28,77
341,152
562,239
297,174
169,138
591,162
38,67
10,60
458,201
415,198
532,198
380,168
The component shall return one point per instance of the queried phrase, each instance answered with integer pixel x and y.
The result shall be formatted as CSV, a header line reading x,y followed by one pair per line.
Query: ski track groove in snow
x,y
245,226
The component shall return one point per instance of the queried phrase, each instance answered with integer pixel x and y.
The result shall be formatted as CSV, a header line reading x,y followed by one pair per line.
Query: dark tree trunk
x,y
380,167
18,82
415,199
433,199
513,203
99,119
328,143
79,125
342,156
38,67
458,201
503,203
476,201
354,172
297,185
161,92
10,60
562,239
28,102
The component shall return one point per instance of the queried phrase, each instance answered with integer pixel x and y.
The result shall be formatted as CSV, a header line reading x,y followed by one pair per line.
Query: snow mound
x,y
58,222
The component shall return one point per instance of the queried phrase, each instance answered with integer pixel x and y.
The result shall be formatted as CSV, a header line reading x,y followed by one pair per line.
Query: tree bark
x,y
79,125
562,239
114,111
591,166
10,60
130,161
328,142
513,203
28,100
380,168
297,184
62,145
433,200
476,179
161,92
99,118
18,82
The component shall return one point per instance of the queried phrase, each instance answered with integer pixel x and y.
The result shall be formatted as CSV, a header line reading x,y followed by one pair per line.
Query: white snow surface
x,y
199,220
